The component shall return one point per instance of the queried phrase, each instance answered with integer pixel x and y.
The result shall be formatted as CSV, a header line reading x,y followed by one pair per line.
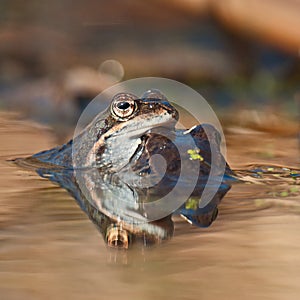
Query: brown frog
x,y
110,170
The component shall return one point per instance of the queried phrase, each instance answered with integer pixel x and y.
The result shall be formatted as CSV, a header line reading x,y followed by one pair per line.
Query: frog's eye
x,y
123,108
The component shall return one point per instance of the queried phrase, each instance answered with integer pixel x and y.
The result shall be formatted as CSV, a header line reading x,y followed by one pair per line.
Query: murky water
x,y
50,250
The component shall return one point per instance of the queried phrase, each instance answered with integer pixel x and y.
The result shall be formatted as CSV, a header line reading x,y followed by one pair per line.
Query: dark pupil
x,y
123,105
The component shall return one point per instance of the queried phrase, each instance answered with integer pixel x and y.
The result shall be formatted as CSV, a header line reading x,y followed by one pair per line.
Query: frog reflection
x,y
110,171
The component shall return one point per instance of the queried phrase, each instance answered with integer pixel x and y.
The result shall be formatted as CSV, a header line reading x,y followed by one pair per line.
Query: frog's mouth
x,y
164,129
138,128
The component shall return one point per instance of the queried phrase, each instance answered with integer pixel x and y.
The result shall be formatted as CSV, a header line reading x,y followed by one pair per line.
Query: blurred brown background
x,y
240,55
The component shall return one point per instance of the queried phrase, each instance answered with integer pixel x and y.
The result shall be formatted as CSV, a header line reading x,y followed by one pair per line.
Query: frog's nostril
x,y
175,115
173,111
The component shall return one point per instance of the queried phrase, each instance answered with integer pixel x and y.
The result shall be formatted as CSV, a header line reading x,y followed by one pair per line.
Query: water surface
x,y
50,250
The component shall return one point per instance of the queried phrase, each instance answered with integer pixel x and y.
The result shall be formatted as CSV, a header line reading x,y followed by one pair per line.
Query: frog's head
x,y
133,116
119,131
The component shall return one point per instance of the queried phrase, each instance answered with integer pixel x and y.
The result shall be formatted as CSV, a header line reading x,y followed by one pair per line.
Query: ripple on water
x,y
50,250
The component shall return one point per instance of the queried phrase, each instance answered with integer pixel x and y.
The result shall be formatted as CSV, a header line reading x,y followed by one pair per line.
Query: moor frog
x,y
110,169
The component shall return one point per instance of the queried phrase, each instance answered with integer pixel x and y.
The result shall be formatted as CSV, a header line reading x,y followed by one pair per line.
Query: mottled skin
x,y
124,138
